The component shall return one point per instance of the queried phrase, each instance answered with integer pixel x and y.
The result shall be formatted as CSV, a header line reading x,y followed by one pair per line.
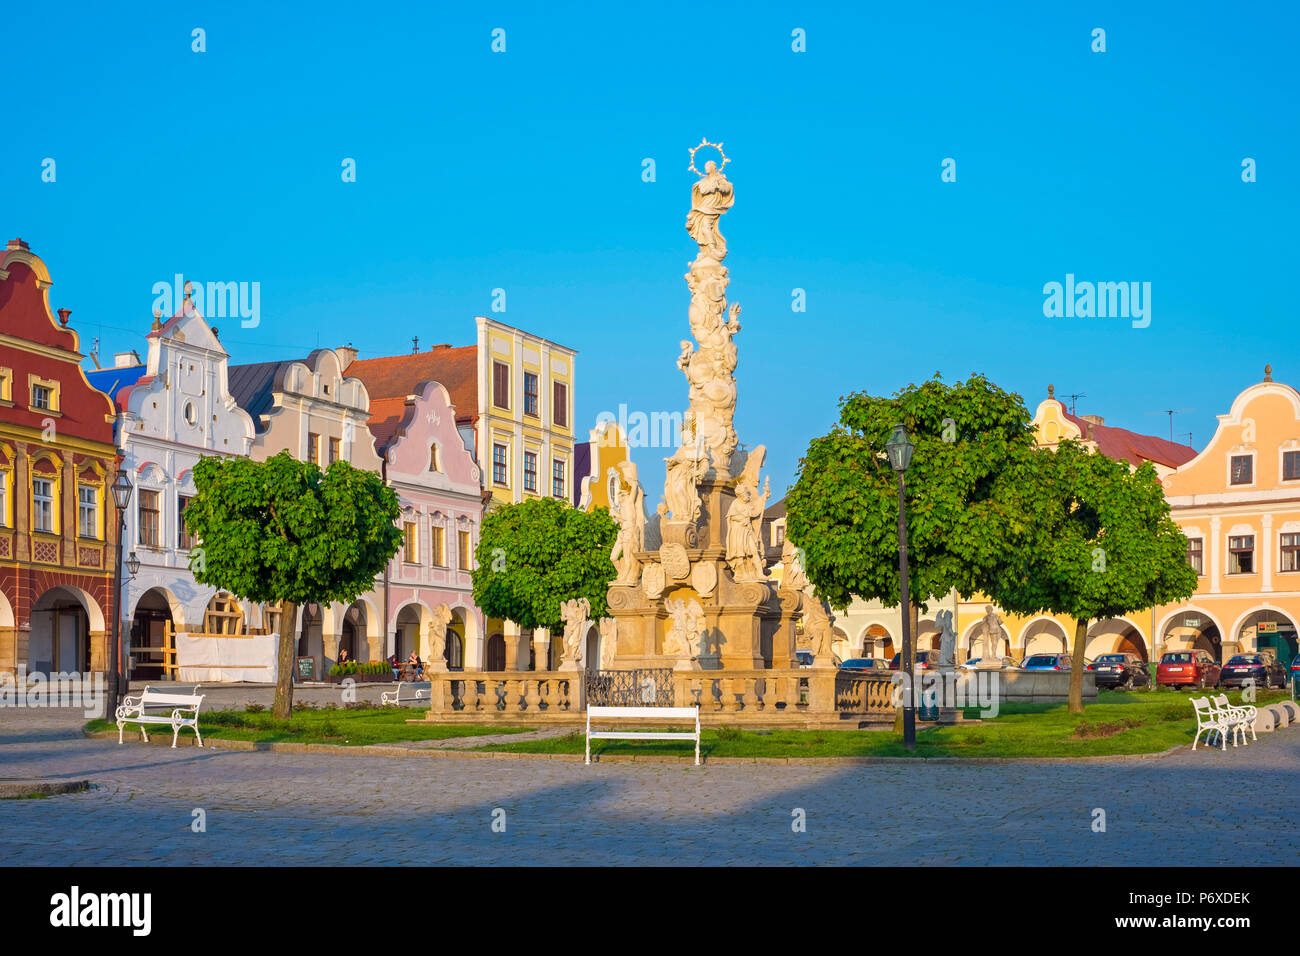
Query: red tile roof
x,y
1124,445
396,376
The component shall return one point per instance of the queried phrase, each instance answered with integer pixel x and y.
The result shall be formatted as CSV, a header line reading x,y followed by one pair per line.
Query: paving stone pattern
x,y
266,808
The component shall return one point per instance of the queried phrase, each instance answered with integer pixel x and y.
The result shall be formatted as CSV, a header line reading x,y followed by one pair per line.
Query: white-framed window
x,y
438,545
43,505
411,542
1196,554
530,471
1241,469
1241,554
150,529
464,550
558,484
88,511
499,464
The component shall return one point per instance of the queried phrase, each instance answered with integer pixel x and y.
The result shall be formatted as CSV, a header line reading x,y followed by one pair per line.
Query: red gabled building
x,y
58,527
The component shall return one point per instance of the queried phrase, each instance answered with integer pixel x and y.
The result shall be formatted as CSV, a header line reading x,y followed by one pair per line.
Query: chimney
x,y
126,359
347,354
1093,419
17,244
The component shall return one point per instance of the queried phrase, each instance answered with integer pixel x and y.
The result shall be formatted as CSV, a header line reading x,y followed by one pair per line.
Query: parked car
x,y
1187,669
1295,667
1121,670
1047,662
1007,664
1263,669
925,660
864,664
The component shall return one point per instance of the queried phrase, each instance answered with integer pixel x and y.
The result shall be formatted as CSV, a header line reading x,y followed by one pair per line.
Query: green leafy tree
x,y
1094,540
282,531
534,555
843,510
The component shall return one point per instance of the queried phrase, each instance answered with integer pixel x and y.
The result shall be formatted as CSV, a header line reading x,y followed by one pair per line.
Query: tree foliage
x,y
534,555
283,531
1094,540
843,509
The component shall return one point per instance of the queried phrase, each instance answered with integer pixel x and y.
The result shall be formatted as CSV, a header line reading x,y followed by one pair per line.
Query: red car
x,y
1187,669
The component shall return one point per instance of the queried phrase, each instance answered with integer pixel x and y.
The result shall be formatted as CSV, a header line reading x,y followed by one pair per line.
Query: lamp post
x,y
899,448
121,489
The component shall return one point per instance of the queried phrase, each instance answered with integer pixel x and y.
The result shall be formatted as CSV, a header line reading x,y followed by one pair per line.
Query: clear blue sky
x,y
523,171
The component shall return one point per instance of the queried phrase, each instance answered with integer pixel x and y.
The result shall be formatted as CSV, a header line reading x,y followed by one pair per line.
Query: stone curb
x,y
387,750
16,789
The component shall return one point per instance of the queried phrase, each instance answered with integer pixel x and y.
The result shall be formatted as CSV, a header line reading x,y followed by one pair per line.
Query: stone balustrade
x,y
794,696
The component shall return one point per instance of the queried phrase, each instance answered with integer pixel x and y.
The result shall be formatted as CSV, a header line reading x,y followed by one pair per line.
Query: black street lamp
x,y
899,448
121,489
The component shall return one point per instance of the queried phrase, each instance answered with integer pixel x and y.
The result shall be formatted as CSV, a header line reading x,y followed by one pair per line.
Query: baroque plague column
x,y
691,591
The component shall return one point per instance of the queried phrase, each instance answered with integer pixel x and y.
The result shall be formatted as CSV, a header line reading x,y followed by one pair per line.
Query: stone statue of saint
x,y
684,470
683,637
947,639
608,642
711,196
992,630
437,636
792,573
575,614
817,626
629,512
744,520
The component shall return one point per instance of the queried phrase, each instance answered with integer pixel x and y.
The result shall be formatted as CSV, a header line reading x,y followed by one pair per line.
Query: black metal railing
x,y
639,687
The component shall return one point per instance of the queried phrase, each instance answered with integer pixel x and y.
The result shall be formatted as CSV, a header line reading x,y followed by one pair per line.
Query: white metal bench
x,y
184,712
419,690
643,713
1209,722
1239,718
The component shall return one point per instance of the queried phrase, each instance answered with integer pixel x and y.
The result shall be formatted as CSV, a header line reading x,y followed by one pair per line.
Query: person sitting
x,y
417,669
397,668
344,657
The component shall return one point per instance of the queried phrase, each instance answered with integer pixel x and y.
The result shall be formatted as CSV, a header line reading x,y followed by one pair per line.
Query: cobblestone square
x,y
271,808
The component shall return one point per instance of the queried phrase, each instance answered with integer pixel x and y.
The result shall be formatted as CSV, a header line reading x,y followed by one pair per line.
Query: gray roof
x,y
253,387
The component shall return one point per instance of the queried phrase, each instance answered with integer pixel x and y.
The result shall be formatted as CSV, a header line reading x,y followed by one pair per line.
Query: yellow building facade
x,y
1238,503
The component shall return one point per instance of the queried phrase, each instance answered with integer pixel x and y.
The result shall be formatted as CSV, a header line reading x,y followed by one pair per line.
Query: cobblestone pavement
x,y
355,808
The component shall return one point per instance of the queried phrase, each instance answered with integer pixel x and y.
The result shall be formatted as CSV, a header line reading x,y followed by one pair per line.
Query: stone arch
x,y
65,622
471,634
153,611
1115,635
1043,635
591,647
1176,632
494,652
410,629
1286,631
873,639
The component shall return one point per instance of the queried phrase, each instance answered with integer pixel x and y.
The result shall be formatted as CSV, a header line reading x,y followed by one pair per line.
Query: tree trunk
x,y
282,708
1076,668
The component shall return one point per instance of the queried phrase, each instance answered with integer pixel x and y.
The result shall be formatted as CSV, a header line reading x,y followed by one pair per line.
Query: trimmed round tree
x,y
537,554
1094,540
284,532
843,509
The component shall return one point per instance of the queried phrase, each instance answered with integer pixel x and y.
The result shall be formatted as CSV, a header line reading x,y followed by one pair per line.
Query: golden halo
x,y
703,143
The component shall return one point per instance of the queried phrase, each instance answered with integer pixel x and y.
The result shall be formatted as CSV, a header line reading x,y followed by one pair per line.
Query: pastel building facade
x,y
58,523
437,482
1238,503
513,395
173,410
316,413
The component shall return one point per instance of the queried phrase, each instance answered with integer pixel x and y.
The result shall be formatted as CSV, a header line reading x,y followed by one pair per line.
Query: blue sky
x,y
522,171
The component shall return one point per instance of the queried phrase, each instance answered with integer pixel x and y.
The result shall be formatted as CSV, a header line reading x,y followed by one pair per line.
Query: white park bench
x,y
1239,718
415,691
184,712
1209,722
643,713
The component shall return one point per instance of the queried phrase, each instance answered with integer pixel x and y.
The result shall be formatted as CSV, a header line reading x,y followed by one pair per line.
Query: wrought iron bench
x,y
643,713
184,712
